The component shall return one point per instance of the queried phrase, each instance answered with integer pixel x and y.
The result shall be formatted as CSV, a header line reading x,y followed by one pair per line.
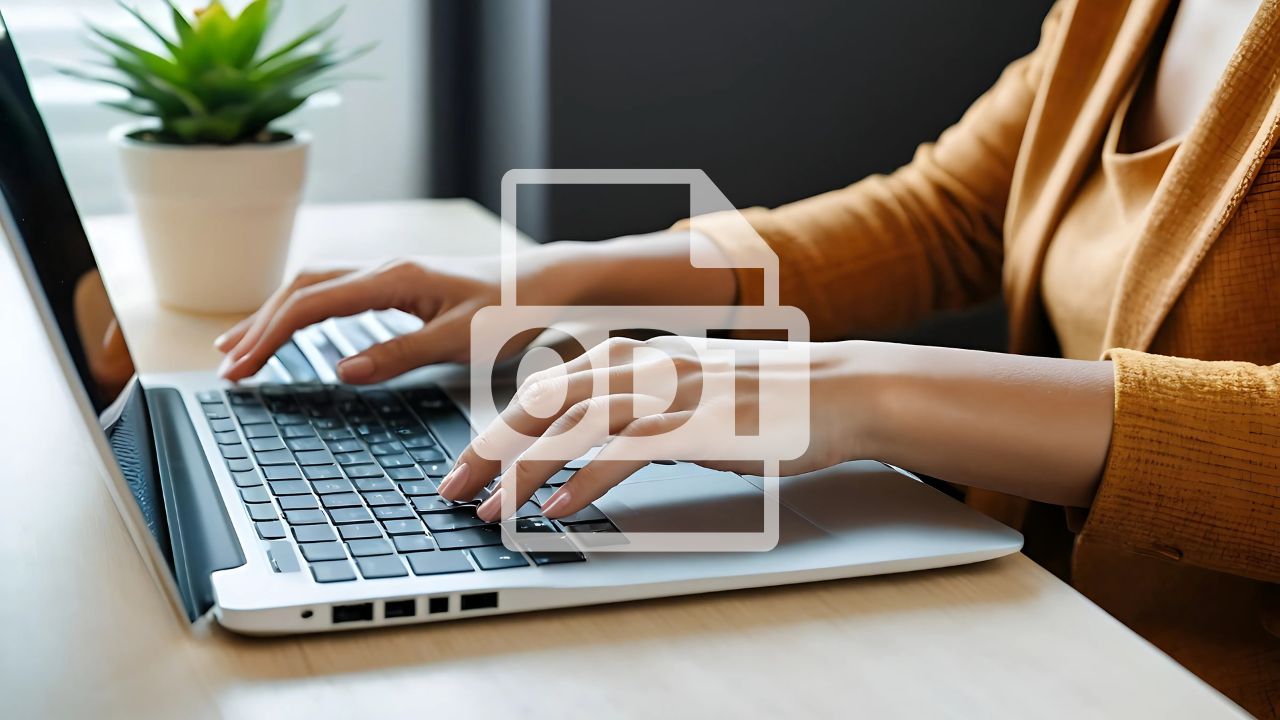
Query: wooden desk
x,y
85,633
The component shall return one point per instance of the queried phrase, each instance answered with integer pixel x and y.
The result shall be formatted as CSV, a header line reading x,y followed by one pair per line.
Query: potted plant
x,y
215,183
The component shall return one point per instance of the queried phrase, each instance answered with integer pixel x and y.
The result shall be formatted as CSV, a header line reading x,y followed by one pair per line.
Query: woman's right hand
x,y
445,293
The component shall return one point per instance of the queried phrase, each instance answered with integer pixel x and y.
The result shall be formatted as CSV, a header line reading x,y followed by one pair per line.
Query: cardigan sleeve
x,y
1193,473
886,251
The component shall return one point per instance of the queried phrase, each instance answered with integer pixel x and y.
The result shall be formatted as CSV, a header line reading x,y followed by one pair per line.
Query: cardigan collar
x,y
1207,179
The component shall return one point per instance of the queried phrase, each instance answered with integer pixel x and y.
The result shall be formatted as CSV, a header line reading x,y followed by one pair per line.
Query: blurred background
x,y
774,100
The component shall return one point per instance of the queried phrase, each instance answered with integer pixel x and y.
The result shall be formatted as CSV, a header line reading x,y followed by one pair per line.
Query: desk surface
x,y
86,632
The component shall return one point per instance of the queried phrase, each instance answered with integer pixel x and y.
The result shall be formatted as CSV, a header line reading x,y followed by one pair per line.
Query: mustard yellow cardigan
x,y
1193,474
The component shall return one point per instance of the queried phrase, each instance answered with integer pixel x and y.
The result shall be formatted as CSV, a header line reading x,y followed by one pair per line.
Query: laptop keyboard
x,y
350,478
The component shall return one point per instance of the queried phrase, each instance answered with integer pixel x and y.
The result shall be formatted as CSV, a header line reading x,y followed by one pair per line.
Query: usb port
x,y
352,613
400,609
480,601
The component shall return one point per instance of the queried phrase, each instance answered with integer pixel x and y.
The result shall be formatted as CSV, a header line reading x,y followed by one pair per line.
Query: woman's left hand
x,y
670,398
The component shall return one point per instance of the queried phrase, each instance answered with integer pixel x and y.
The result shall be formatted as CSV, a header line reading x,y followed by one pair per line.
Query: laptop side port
x,y
352,613
400,609
479,601
438,605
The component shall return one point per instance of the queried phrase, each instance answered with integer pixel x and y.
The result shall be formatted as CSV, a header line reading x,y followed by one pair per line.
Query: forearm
x,y
641,270
1034,427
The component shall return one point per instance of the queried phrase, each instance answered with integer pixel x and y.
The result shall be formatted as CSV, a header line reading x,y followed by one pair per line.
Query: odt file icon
x,y
709,432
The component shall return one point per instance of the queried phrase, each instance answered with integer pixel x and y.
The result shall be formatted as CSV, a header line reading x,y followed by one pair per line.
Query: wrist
x,y
851,386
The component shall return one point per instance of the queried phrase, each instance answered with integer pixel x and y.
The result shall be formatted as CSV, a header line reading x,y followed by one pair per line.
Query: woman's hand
x,y
447,292
681,402
444,293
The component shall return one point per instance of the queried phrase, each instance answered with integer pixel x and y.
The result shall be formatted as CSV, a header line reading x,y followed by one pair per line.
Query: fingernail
x,y
225,366
219,341
453,481
490,509
355,369
557,502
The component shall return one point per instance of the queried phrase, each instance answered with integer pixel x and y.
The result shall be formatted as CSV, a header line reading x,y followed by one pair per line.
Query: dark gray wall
x,y
776,100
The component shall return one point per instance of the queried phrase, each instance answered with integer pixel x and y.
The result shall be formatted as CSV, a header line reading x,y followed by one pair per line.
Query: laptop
x,y
293,504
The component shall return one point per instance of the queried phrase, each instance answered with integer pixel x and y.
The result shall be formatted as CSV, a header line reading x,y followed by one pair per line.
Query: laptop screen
x,y
49,229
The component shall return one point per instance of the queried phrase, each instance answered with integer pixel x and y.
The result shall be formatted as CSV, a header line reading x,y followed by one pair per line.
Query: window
x,y
369,135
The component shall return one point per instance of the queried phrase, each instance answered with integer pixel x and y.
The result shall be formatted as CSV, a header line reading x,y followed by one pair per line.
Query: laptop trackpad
x,y
707,501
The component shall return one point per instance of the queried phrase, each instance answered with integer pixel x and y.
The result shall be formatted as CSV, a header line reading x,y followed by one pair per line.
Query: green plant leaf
x,y
169,45
249,29
307,36
133,106
154,64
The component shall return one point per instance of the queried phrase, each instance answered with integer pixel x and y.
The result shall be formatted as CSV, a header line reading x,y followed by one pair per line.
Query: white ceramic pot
x,y
216,220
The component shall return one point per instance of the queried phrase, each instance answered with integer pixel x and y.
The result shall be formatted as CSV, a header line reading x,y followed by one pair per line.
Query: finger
x,y
246,333
539,403
549,453
338,297
441,340
608,469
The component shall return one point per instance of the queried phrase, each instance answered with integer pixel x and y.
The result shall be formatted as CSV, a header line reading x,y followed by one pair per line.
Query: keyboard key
x,y
497,558
275,457
272,530
231,437
377,437
359,532
419,487
282,558
314,534
454,519
556,558
528,510
209,396
246,479
350,516
282,472
329,487
262,512
413,543
483,536
290,487
216,411
304,444
242,397
345,446
257,494
396,461
298,502
390,448
306,517
538,525
322,472
336,434
290,418
298,431
332,571
427,455
401,527
320,552
396,512
252,415
266,443
588,514
369,548
353,458
561,478
382,566
417,441
254,432
342,500
315,457
439,563
433,504
375,499
233,452
363,471
242,465
379,484
542,494
404,473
